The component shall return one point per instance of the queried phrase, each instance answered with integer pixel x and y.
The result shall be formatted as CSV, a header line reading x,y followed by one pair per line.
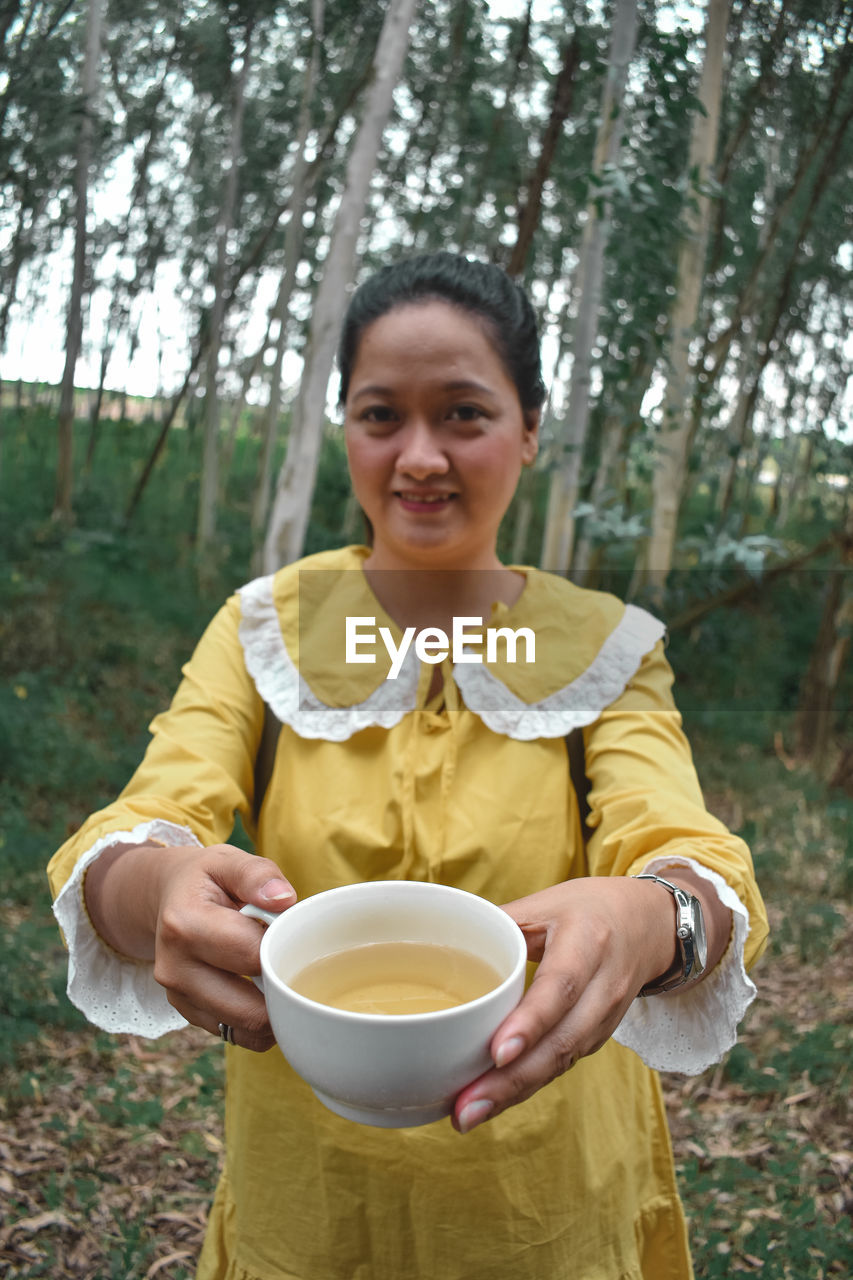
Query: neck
x,y
433,597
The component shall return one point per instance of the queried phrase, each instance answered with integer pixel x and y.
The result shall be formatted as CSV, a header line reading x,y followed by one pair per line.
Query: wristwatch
x,y
692,948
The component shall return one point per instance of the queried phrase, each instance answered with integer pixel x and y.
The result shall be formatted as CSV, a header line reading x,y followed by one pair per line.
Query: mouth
x,y
431,501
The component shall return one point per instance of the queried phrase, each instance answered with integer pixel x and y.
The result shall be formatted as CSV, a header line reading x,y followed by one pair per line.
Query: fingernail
x,y
509,1051
276,890
474,1113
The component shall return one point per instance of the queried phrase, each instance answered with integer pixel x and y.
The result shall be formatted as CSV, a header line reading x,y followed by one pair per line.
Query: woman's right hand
x,y
178,906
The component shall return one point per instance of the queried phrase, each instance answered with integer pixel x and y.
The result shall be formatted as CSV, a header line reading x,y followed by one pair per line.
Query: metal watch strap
x,y
685,959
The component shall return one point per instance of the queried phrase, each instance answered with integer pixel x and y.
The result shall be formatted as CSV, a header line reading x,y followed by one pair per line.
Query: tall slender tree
x,y
292,255
62,507
209,485
292,503
674,438
565,477
562,96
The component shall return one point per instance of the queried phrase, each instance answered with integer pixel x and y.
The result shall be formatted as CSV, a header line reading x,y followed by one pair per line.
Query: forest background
x,y
188,191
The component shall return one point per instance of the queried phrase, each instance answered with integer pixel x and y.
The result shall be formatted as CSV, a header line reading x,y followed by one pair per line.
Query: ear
x,y
530,443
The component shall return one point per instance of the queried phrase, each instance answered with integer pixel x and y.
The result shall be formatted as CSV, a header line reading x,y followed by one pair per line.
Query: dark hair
x,y
481,288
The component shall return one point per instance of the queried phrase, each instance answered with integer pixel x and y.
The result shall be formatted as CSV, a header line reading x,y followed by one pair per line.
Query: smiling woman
x,y
453,771
442,388
436,437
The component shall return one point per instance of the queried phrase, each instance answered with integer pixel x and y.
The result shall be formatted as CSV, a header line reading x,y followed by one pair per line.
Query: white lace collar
x,y
580,701
289,695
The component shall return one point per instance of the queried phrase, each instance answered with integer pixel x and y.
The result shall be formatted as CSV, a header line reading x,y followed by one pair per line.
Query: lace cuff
x,y
688,1031
114,993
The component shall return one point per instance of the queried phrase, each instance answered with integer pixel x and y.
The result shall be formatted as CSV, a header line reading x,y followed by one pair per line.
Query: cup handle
x,y
258,913
265,917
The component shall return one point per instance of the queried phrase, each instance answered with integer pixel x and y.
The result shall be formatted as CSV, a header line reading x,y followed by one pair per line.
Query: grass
x,y
110,1147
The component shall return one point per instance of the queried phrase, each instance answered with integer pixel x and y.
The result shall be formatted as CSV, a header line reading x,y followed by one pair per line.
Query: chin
x,y
438,554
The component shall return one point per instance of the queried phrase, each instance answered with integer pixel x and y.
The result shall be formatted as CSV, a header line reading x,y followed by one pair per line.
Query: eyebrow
x,y
461,384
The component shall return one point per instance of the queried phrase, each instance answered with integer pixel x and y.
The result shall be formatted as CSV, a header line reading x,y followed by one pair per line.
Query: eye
x,y
466,413
378,415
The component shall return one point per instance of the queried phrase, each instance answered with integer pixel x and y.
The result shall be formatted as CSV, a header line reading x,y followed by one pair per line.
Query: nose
x,y
421,453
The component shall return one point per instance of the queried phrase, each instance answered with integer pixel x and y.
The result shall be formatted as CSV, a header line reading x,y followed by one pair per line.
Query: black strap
x,y
265,760
580,781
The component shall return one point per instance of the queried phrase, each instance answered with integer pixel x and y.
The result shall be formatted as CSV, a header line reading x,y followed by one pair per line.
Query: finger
x,y
249,878
561,979
536,932
203,921
228,1001
209,933
228,1032
500,1088
583,1031
209,962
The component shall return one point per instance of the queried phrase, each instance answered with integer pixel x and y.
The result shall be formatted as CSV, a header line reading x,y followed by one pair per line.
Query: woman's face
x,y
436,437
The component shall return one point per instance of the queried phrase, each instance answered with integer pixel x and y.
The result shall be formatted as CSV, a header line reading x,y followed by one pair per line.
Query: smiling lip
x,y
429,501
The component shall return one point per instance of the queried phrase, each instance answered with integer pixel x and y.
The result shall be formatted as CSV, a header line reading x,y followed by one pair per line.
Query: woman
x,y
451,771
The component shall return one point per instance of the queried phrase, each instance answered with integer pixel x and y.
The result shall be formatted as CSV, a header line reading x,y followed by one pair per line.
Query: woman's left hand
x,y
598,940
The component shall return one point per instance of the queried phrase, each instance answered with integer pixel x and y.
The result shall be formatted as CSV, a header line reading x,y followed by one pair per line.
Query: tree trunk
x,y
737,432
760,90
671,466
293,241
760,450
749,586
432,126
776,301
254,254
523,516
249,260
209,482
62,509
561,105
124,293
792,494
558,543
160,442
292,504
516,60
821,141
832,646
618,428
612,441
250,369
95,415
16,254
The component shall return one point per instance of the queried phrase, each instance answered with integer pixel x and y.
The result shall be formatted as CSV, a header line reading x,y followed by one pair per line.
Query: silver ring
x,y
226,1033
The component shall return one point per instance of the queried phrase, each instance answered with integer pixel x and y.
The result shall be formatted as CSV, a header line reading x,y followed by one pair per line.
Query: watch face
x,y
700,942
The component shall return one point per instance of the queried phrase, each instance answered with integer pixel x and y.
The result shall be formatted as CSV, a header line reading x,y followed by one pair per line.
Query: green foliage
x,y
609,524
819,1056
96,621
32,998
94,625
789,1238
750,553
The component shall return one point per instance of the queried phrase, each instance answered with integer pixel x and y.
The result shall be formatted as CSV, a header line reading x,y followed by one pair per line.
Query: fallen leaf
x,y
180,1255
41,1220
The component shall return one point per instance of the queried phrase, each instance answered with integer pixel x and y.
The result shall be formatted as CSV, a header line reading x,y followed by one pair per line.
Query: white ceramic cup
x,y
394,1071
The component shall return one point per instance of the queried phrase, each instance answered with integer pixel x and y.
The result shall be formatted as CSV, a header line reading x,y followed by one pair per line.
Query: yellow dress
x,y
372,781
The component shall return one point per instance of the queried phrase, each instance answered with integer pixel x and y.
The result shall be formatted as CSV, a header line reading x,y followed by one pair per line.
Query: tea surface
x,y
396,978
